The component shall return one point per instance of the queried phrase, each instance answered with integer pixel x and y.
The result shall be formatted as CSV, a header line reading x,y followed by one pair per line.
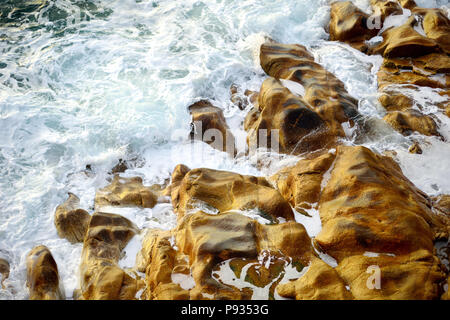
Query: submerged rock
x,y
42,275
101,277
71,222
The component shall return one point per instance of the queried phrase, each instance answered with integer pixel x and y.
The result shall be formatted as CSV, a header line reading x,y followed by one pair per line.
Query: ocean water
x,y
90,82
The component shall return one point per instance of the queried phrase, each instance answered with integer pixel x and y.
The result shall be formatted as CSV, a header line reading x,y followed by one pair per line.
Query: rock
x,y
120,167
42,275
433,62
210,126
393,101
323,91
415,148
442,203
320,282
437,27
301,184
71,222
223,191
126,192
392,76
101,277
300,129
385,8
414,276
405,41
158,259
203,241
4,271
349,24
211,239
406,122
388,77
177,176
369,205
408,4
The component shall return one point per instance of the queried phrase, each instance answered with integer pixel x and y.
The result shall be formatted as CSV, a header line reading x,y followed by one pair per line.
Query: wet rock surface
x,y
71,221
126,192
42,275
101,277
209,125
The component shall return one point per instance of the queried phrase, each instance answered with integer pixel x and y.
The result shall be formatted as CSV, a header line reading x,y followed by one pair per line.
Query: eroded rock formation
x,y
70,220
42,275
101,277
209,125
127,192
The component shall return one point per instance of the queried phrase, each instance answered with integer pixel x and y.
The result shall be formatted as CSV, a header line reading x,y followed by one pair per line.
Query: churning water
x,y
90,82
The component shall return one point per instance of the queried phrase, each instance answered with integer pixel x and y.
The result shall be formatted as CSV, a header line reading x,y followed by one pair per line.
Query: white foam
x,y
185,281
312,224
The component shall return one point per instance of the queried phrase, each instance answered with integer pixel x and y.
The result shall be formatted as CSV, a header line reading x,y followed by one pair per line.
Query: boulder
x,y
323,91
4,271
320,282
158,260
301,184
349,24
405,41
388,76
209,126
222,191
126,192
101,277
70,220
437,27
369,205
414,276
209,240
406,122
300,129
42,275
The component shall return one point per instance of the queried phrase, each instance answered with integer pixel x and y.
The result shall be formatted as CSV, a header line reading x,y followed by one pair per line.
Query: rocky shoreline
x,y
379,231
